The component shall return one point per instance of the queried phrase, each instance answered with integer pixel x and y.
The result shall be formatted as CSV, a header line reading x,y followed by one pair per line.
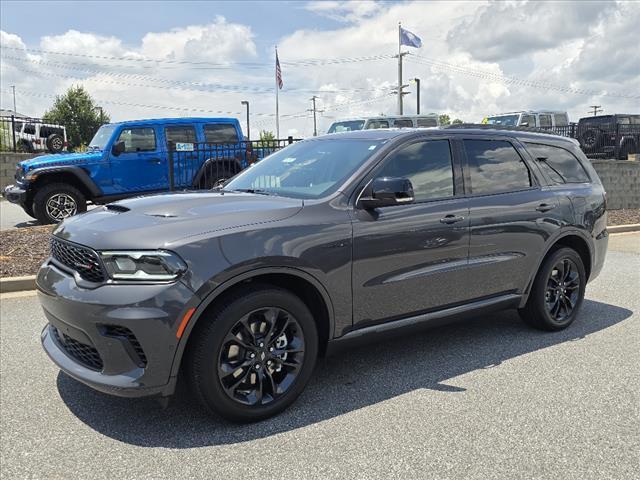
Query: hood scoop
x,y
114,207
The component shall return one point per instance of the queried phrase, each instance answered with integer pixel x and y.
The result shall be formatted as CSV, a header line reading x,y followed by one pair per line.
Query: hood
x,y
160,221
60,159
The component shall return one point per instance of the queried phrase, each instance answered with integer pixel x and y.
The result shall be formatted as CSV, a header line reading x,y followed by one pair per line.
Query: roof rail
x,y
484,126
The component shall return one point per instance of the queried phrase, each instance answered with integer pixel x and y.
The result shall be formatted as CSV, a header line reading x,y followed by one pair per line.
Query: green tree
x,y
77,111
267,139
445,119
456,121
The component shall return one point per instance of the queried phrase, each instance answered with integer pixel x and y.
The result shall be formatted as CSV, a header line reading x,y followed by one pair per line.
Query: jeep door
x,y
412,258
512,215
142,167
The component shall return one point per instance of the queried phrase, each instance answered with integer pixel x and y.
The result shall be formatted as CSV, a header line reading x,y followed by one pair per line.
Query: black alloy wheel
x,y
557,292
261,356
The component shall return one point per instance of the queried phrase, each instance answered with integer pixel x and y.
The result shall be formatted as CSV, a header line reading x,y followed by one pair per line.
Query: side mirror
x,y
387,191
118,148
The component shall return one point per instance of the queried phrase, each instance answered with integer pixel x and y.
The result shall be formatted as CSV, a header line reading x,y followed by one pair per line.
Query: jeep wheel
x,y
215,178
591,140
557,293
56,201
55,143
253,356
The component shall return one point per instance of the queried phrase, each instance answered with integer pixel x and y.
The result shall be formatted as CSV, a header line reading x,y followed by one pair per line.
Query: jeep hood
x,y
160,221
60,159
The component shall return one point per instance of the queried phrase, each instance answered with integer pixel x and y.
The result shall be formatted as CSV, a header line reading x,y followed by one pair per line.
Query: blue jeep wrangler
x,y
128,159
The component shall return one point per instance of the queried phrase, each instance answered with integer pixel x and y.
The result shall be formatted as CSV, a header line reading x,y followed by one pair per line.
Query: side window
x,y
559,164
377,124
495,166
561,120
428,166
181,134
530,120
545,120
29,129
403,123
427,122
138,139
220,133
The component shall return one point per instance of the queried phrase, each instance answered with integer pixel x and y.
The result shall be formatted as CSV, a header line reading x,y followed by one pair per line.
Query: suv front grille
x,y
125,333
87,355
79,259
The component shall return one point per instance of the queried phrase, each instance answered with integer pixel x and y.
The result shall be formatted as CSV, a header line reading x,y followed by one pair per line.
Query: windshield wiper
x,y
252,190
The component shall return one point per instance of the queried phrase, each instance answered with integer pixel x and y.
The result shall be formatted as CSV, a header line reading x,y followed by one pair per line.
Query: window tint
x,y
29,129
495,166
427,165
181,134
561,120
530,120
377,124
545,120
559,164
220,133
403,123
427,122
138,139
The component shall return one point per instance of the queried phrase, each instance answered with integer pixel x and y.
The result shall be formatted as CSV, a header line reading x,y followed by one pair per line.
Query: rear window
x,y
427,122
220,133
560,165
495,167
181,134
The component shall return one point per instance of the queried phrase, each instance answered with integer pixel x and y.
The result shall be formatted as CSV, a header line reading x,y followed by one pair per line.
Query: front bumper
x,y
85,338
15,194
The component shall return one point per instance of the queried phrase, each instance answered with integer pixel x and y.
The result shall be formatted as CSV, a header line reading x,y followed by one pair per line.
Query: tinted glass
x,y
405,123
377,124
30,129
559,164
545,120
138,139
427,165
346,126
309,169
427,122
495,166
220,133
181,134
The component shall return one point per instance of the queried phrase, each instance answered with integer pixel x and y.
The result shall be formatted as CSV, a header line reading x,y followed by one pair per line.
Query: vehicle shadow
x,y
341,384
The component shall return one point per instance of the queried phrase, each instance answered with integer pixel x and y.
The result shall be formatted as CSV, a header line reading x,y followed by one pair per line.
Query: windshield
x,y
309,169
349,126
509,120
102,136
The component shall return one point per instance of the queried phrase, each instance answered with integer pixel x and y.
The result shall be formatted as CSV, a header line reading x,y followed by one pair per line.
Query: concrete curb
x,y
17,284
632,227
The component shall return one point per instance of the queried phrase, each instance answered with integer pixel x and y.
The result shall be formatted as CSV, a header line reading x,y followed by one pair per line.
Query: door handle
x,y
449,219
155,161
545,207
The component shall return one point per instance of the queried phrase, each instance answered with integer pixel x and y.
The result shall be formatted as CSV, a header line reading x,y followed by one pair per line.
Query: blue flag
x,y
409,39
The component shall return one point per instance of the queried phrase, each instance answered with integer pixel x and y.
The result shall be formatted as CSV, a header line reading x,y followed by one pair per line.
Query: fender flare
x,y
549,245
81,175
210,297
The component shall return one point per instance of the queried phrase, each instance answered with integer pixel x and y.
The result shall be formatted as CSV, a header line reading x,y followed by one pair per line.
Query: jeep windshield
x,y
508,120
102,136
308,169
347,126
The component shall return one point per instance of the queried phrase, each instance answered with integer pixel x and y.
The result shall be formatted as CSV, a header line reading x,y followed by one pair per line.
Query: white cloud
x,y
345,11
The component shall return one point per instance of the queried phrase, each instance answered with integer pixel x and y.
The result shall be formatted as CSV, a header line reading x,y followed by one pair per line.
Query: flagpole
x,y
399,69
277,101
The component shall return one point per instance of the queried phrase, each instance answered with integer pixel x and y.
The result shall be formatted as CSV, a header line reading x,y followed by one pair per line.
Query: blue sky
x,y
478,57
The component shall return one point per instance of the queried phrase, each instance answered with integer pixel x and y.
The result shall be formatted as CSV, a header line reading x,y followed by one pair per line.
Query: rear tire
x,y
56,201
267,373
557,292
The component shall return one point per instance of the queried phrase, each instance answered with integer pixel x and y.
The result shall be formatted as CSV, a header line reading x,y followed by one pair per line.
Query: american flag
x,y
278,72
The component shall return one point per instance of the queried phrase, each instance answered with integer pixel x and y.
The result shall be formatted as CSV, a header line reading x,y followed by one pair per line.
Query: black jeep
x,y
611,136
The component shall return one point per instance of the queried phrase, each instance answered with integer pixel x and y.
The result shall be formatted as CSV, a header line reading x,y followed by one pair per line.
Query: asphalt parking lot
x,y
488,398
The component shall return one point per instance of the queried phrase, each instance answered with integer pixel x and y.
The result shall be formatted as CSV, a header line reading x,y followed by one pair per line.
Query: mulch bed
x,y
22,250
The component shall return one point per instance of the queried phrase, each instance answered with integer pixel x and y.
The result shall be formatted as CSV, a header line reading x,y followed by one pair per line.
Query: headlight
x,y
155,265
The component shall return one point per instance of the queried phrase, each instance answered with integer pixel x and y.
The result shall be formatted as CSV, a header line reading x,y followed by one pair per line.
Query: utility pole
x,y
13,87
417,82
246,104
314,110
596,109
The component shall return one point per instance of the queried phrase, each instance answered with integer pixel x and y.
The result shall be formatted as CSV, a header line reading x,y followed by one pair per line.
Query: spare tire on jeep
x,y
55,143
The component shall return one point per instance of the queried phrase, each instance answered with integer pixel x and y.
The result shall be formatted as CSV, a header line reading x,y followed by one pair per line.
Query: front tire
x,y
557,292
251,357
56,201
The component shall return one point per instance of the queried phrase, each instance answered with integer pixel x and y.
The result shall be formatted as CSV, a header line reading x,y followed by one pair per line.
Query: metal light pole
x,y
13,87
246,104
417,82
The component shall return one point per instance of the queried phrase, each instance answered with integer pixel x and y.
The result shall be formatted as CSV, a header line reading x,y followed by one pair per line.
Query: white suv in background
x,y
398,121
40,137
530,118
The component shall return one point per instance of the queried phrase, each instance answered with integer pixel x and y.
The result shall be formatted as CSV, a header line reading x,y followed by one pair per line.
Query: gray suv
x,y
328,241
